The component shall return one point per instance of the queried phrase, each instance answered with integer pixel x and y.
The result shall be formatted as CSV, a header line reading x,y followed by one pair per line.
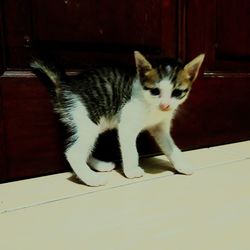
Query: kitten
x,y
131,100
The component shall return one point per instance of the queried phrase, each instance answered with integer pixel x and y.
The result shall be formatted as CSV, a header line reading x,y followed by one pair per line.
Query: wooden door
x,y
78,32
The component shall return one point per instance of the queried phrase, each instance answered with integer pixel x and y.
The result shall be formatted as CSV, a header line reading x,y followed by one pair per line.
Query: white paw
x,y
95,179
184,168
135,172
105,166
99,165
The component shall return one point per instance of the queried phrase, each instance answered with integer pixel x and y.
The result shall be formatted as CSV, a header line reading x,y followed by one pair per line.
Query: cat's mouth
x,y
164,107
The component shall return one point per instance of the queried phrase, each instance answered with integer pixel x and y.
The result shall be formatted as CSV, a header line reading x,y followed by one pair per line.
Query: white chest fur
x,y
155,117
140,116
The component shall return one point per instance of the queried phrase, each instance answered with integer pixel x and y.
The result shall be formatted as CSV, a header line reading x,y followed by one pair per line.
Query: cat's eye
x,y
155,91
179,93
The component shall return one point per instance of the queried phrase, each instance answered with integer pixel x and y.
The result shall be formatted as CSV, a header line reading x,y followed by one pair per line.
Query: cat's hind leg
x,y
83,140
99,165
77,155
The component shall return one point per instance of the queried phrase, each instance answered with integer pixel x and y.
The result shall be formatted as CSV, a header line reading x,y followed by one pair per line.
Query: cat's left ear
x,y
192,68
142,64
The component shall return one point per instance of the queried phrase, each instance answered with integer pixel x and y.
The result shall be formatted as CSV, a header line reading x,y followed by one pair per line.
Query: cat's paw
x,y
105,166
135,172
184,168
101,166
96,179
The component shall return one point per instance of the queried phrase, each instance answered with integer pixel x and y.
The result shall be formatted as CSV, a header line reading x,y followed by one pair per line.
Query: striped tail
x,y
51,72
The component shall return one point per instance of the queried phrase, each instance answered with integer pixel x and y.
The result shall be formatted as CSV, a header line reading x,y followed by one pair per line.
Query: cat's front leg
x,y
130,158
161,134
180,163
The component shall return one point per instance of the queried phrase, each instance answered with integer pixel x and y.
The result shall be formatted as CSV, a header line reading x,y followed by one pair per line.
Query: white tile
x,y
35,191
208,210
241,149
208,157
41,190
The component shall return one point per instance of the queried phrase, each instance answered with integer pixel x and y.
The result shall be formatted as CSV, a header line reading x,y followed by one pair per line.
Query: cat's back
x,y
103,90
100,76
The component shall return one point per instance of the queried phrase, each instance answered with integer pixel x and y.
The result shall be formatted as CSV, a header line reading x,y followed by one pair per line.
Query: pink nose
x,y
164,107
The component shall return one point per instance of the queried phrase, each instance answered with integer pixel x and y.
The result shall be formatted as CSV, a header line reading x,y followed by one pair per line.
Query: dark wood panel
x,y
98,21
215,113
17,21
32,141
86,31
220,103
209,30
233,33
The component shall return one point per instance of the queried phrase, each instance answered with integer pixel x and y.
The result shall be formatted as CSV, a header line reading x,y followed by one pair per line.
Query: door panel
x,y
92,22
220,100
233,35
31,131
80,32
221,29
216,113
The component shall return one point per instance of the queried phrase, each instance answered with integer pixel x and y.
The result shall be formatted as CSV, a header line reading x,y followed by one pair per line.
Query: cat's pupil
x,y
179,93
155,91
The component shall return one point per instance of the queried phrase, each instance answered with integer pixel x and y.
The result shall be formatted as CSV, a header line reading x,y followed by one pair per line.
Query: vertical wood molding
x,y
3,168
182,28
169,21
2,41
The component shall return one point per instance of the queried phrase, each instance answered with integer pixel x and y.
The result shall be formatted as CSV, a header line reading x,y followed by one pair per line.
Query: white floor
x,y
208,210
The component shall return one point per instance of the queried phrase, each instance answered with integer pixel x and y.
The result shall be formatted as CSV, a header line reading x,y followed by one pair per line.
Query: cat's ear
x,y
142,64
192,68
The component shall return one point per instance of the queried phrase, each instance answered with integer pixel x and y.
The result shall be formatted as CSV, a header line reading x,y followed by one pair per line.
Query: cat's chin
x,y
166,110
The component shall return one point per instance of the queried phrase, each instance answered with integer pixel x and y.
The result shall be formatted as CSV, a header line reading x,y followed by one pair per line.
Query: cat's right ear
x,y
142,64
193,67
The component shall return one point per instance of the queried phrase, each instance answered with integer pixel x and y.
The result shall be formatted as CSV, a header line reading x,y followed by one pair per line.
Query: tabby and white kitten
x,y
103,98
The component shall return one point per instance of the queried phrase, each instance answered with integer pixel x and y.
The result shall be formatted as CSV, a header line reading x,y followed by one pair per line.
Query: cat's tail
x,y
54,74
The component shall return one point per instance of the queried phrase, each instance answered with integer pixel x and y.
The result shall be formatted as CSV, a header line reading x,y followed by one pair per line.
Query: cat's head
x,y
166,83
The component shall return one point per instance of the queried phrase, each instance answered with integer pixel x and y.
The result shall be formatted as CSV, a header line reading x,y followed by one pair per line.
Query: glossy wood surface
x,y
78,32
